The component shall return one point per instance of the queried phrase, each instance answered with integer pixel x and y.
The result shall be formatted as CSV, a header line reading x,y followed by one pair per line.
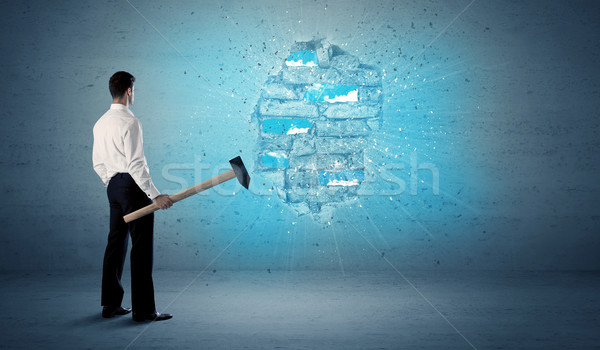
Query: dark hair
x,y
119,83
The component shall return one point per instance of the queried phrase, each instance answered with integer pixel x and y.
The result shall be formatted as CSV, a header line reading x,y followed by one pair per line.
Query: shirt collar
x,y
118,106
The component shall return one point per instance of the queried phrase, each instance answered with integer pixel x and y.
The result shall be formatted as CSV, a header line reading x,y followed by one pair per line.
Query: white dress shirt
x,y
118,148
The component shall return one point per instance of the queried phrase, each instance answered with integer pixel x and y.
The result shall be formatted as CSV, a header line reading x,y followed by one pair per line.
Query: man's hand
x,y
163,201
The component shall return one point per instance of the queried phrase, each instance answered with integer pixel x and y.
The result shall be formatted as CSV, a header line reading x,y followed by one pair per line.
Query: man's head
x,y
121,87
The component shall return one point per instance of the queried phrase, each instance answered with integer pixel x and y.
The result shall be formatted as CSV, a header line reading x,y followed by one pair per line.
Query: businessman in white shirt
x,y
119,160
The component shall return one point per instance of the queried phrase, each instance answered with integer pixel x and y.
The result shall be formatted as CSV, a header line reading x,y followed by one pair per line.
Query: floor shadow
x,y
96,319
126,321
90,319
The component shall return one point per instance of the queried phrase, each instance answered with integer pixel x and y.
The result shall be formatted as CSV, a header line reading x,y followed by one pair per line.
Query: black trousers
x,y
124,197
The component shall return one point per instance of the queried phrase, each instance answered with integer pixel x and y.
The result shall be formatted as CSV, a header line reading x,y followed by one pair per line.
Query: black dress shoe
x,y
155,316
108,311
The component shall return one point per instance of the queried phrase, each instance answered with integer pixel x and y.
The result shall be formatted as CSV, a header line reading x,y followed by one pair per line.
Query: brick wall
x,y
314,119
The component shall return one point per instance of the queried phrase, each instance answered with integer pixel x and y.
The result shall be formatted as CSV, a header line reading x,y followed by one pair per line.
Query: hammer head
x,y
240,171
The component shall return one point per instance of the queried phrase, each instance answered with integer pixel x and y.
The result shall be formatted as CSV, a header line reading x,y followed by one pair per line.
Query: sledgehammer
x,y
238,170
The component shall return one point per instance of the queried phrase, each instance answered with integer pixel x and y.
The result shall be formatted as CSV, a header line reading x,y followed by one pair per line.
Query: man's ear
x,y
128,92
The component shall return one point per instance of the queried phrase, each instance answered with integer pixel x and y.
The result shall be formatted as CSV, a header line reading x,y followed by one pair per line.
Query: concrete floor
x,y
311,310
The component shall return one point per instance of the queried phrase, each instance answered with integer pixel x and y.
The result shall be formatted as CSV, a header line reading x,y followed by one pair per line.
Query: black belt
x,y
120,175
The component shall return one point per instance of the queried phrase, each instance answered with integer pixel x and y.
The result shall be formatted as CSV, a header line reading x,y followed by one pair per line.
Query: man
x,y
119,160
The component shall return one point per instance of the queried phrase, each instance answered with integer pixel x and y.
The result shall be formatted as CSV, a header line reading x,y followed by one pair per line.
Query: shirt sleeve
x,y
101,170
137,166
99,166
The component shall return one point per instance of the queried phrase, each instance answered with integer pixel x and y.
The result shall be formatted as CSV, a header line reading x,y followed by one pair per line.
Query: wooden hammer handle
x,y
203,186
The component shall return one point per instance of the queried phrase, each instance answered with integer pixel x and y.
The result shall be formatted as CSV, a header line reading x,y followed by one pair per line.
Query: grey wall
x,y
500,97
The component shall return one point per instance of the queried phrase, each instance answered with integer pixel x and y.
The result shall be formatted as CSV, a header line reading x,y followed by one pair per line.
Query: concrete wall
x,y
486,158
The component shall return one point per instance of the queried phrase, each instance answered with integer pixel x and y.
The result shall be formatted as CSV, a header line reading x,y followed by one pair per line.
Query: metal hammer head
x,y
240,171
